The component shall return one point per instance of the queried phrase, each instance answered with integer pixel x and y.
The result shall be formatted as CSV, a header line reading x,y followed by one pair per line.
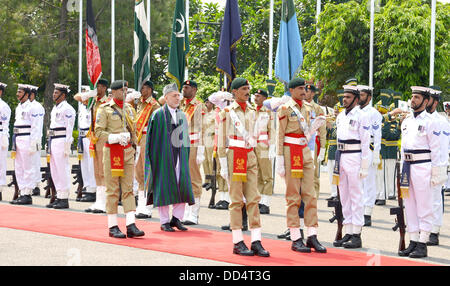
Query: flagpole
x,y
432,41
113,55
318,10
271,40
80,43
186,73
149,26
372,16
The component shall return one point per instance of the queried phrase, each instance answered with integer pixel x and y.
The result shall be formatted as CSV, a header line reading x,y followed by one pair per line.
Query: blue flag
x,y
230,36
289,57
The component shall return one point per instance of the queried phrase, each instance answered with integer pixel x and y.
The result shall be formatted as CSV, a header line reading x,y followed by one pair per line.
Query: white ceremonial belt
x,y
263,137
82,133
53,133
18,131
194,136
296,141
348,147
236,143
411,157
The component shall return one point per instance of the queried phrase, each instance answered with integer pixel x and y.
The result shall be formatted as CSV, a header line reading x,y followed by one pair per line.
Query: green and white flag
x,y
179,45
141,66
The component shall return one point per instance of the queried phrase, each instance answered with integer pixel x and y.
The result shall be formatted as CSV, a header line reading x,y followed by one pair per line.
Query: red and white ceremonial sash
x,y
237,144
116,155
142,121
296,143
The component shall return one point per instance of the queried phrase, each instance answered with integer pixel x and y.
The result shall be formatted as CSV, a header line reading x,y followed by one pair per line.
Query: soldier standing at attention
x,y
5,115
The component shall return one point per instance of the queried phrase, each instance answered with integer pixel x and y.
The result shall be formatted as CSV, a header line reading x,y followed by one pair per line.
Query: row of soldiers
x,y
204,125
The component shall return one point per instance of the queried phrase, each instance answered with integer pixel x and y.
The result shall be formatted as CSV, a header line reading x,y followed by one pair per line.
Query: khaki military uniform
x,y
209,120
98,143
109,121
229,136
297,189
194,111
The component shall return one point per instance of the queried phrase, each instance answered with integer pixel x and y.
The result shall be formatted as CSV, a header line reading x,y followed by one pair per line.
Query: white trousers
x,y
177,211
437,208
386,180
3,155
350,189
25,173
36,161
419,202
60,168
330,168
87,167
369,187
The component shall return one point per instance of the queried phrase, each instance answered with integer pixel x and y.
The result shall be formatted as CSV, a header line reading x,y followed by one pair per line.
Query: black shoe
x,y
62,204
258,249
434,239
354,242
0,196
380,202
206,186
242,249
97,211
367,220
83,190
175,222
222,205
188,222
88,197
298,246
392,198
312,242
51,205
412,245
36,192
133,231
23,200
338,243
226,227
420,251
263,209
166,227
140,215
332,198
88,210
116,233
286,233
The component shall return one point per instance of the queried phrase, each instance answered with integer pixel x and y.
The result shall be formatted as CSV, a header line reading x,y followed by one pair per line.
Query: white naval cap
x,y
425,91
3,85
170,88
446,104
351,89
23,86
85,87
62,87
33,88
364,88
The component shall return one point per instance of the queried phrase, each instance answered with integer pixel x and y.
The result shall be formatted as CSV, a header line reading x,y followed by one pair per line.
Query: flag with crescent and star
x,y
141,66
179,45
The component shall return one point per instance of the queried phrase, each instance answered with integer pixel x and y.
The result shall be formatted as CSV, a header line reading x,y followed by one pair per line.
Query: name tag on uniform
x,y
352,124
421,130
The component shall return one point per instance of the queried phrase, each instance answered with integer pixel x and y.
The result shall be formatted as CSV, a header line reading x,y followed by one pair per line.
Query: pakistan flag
x,y
179,45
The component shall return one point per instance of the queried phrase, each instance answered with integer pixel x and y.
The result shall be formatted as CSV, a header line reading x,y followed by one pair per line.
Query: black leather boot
x,y
312,242
242,249
285,234
405,252
62,204
88,198
175,222
354,242
338,243
258,249
298,246
51,205
221,205
367,220
0,196
263,209
380,202
24,200
166,227
36,192
133,231
434,239
116,233
420,251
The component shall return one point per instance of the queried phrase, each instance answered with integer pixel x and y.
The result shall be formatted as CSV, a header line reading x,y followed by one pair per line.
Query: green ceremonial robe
x,y
165,139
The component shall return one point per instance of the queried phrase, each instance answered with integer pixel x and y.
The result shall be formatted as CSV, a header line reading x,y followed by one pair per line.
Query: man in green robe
x,y
167,178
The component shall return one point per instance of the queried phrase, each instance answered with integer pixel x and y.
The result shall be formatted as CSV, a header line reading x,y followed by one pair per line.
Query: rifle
x,y
76,170
50,190
12,173
213,187
398,211
337,214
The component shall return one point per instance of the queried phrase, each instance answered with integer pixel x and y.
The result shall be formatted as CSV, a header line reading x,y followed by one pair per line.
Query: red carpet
x,y
214,245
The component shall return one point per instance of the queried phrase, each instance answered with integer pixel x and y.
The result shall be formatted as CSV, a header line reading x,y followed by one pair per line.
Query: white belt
x,y
410,157
348,147
56,133
263,137
81,133
194,136
296,141
21,130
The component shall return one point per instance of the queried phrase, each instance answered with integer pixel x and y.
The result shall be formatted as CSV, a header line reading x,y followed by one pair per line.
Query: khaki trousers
x,y
222,185
300,189
249,190
125,182
265,179
208,163
98,163
194,170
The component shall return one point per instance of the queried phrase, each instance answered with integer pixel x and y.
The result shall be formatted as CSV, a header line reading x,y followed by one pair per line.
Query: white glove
x,y
272,152
137,154
280,166
4,142
124,138
318,122
113,138
435,176
67,148
200,155
376,158
33,147
364,171
321,156
444,175
224,168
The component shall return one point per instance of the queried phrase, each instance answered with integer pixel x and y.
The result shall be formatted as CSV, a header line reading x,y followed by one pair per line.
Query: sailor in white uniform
x,y
5,115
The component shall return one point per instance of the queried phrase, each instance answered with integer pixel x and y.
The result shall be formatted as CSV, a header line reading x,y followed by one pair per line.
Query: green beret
x,y
310,87
190,83
149,83
118,84
296,82
238,83
103,81
262,92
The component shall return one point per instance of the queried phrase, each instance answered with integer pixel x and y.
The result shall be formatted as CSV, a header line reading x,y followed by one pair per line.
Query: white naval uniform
x,y
443,162
420,133
5,116
86,162
62,116
369,183
352,126
36,157
27,123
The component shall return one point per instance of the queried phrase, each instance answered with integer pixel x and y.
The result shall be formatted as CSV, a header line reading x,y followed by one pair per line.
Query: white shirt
x,y
375,119
5,116
63,115
27,114
421,133
443,137
84,116
41,112
354,126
